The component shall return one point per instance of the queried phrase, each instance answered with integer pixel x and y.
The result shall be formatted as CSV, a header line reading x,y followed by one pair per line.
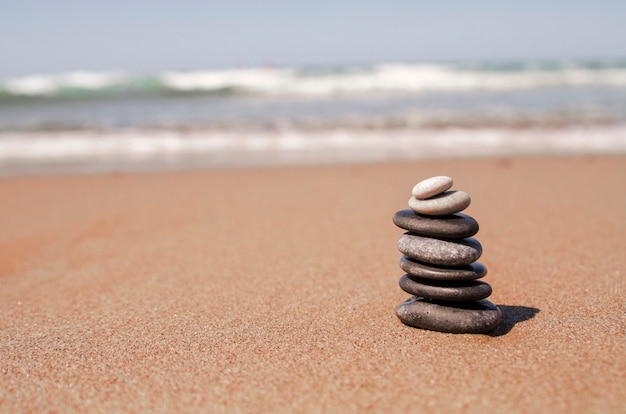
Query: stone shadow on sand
x,y
512,315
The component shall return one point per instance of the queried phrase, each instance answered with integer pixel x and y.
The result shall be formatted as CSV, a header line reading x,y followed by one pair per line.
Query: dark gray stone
x,y
440,252
457,291
475,270
455,226
454,317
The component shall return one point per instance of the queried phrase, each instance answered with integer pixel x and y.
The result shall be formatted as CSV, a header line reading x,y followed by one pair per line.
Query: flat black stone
x,y
438,251
456,291
413,267
454,226
454,317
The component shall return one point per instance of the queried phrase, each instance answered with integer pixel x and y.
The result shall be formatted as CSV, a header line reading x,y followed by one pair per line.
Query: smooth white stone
x,y
432,186
444,204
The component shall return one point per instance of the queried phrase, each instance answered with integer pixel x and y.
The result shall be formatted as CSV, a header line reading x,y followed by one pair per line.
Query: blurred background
x,y
119,86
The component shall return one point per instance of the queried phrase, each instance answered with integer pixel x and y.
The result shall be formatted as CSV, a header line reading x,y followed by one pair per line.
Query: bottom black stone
x,y
477,317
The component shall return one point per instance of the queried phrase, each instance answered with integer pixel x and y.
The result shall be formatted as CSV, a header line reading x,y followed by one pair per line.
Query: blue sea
x,y
119,120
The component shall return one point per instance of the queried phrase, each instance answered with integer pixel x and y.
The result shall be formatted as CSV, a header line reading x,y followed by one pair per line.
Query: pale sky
x,y
151,35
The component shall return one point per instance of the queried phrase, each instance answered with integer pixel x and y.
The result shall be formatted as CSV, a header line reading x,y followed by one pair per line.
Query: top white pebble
x,y
430,187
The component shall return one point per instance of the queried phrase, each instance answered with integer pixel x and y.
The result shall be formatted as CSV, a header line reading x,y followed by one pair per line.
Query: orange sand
x,y
273,290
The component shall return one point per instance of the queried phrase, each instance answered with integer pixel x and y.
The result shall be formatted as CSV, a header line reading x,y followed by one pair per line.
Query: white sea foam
x,y
372,79
390,78
50,84
142,149
253,80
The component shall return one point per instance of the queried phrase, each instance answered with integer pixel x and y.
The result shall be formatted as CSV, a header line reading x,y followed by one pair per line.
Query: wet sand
x,y
273,290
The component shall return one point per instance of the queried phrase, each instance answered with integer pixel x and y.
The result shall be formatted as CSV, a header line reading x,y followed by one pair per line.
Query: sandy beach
x,y
273,290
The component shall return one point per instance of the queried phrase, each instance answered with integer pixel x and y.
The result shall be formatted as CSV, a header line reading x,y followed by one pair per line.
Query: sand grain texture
x,y
273,290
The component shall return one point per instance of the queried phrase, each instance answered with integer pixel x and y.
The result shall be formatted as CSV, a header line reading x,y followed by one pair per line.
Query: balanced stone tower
x,y
440,261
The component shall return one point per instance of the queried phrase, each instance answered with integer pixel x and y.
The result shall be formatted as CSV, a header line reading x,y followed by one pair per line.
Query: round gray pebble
x,y
473,271
440,252
463,317
457,291
443,204
432,186
456,226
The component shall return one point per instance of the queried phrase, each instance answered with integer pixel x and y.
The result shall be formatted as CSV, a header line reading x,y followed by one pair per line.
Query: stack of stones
x,y
440,261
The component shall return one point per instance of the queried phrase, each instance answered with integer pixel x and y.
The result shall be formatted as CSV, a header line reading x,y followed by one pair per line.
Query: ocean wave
x,y
418,120
96,151
384,78
34,85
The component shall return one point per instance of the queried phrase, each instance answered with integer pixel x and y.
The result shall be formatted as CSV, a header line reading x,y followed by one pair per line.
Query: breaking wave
x,y
384,78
